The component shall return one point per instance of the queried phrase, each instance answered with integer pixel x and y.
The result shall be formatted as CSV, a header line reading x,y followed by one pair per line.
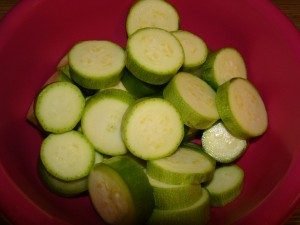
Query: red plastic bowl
x,y
37,33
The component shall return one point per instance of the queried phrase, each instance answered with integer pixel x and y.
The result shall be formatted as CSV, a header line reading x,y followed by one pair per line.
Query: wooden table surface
x,y
291,8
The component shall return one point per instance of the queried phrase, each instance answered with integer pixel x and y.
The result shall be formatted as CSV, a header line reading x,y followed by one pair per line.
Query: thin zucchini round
x,y
223,65
154,55
152,13
226,185
194,99
222,145
68,156
59,106
185,166
195,214
96,64
152,128
101,120
241,108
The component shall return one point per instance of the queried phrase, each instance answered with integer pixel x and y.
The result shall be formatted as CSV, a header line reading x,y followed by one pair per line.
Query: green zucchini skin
x,y
138,88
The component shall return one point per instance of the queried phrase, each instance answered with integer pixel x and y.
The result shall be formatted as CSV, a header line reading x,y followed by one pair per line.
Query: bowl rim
x,y
11,193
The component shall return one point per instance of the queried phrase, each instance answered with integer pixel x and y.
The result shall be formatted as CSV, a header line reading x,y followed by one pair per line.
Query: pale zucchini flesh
x,y
152,128
119,189
223,65
59,106
101,120
68,156
241,108
226,185
222,145
154,55
96,64
152,13
195,49
194,99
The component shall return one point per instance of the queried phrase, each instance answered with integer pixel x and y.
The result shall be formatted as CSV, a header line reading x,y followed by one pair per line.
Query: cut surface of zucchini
x,y
194,99
223,65
154,55
226,185
195,49
120,191
152,13
101,120
152,128
59,107
68,156
170,196
241,108
221,145
96,64
185,166
195,214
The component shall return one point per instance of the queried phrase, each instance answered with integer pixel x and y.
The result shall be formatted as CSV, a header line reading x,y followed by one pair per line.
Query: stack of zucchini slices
x,y
119,123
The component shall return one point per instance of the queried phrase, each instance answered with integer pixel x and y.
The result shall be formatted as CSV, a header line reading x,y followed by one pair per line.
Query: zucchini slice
x,y
120,191
152,13
101,120
195,214
194,99
171,196
152,128
154,55
96,64
195,49
185,166
226,185
68,156
59,107
241,108
221,145
223,65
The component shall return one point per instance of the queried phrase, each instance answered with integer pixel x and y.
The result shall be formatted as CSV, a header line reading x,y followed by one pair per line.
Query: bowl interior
x,y
37,34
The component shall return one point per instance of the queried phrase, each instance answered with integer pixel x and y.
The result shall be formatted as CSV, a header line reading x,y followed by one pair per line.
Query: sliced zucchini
x,y
68,156
185,166
223,65
101,120
57,76
60,187
195,49
195,214
194,99
152,13
241,108
152,128
226,185
221,145
59,107
120,191
154,55
170,196
138,88
96,64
